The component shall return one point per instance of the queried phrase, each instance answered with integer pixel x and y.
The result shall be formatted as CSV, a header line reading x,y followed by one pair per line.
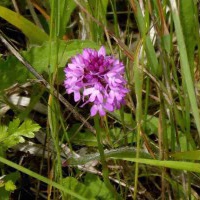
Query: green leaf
x,y
3,132
13,125
38,57
185,67
149,48
1,184
5,195
5,3
10,186
128,118
28,128
82,137
98,187
79,188
66,10
10,68
188,166
187,155
98,10
188,26
166,40
32,32
117,136
60,15
124,152
15,132
14,176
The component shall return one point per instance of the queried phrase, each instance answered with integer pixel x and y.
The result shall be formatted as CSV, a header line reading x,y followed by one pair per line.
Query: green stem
x,y
102,157
137,164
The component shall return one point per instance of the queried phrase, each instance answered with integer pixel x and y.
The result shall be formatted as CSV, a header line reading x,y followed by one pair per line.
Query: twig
x,y
15,6
34,15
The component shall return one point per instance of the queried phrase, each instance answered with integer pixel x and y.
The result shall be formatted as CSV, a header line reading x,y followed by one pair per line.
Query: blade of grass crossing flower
x,y
39,177
185,64
138,77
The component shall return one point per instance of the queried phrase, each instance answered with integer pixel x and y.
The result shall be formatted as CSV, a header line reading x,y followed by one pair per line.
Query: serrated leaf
x,y
10,186
81,189
10,179
98,187
28,128
13,125
15,132
3,132
21,139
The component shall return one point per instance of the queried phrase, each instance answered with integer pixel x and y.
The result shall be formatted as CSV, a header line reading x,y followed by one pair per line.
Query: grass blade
x,y
185,64
39,177
35,37
189,166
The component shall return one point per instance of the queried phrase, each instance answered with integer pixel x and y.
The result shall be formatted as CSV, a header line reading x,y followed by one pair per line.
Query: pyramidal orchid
x,y
96,78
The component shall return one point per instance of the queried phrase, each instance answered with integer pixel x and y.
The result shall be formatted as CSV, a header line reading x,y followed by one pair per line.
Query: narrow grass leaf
x,y
32,32
39,177
150,51
188,166
188,26
185,64
187,155
66,7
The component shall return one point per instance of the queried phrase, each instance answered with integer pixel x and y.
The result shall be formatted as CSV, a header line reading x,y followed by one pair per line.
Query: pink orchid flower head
x,y
98,79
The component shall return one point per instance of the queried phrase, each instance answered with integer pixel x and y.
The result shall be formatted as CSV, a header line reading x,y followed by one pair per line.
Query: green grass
x,y
151,143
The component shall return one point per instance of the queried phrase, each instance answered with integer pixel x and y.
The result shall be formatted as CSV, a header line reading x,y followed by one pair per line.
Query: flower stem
x,y
102,158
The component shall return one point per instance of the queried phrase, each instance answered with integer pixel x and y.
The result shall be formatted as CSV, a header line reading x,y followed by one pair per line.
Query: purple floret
x,y
98,79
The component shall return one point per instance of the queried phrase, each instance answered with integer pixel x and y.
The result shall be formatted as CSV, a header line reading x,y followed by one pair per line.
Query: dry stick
x,y
46,84
15,6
